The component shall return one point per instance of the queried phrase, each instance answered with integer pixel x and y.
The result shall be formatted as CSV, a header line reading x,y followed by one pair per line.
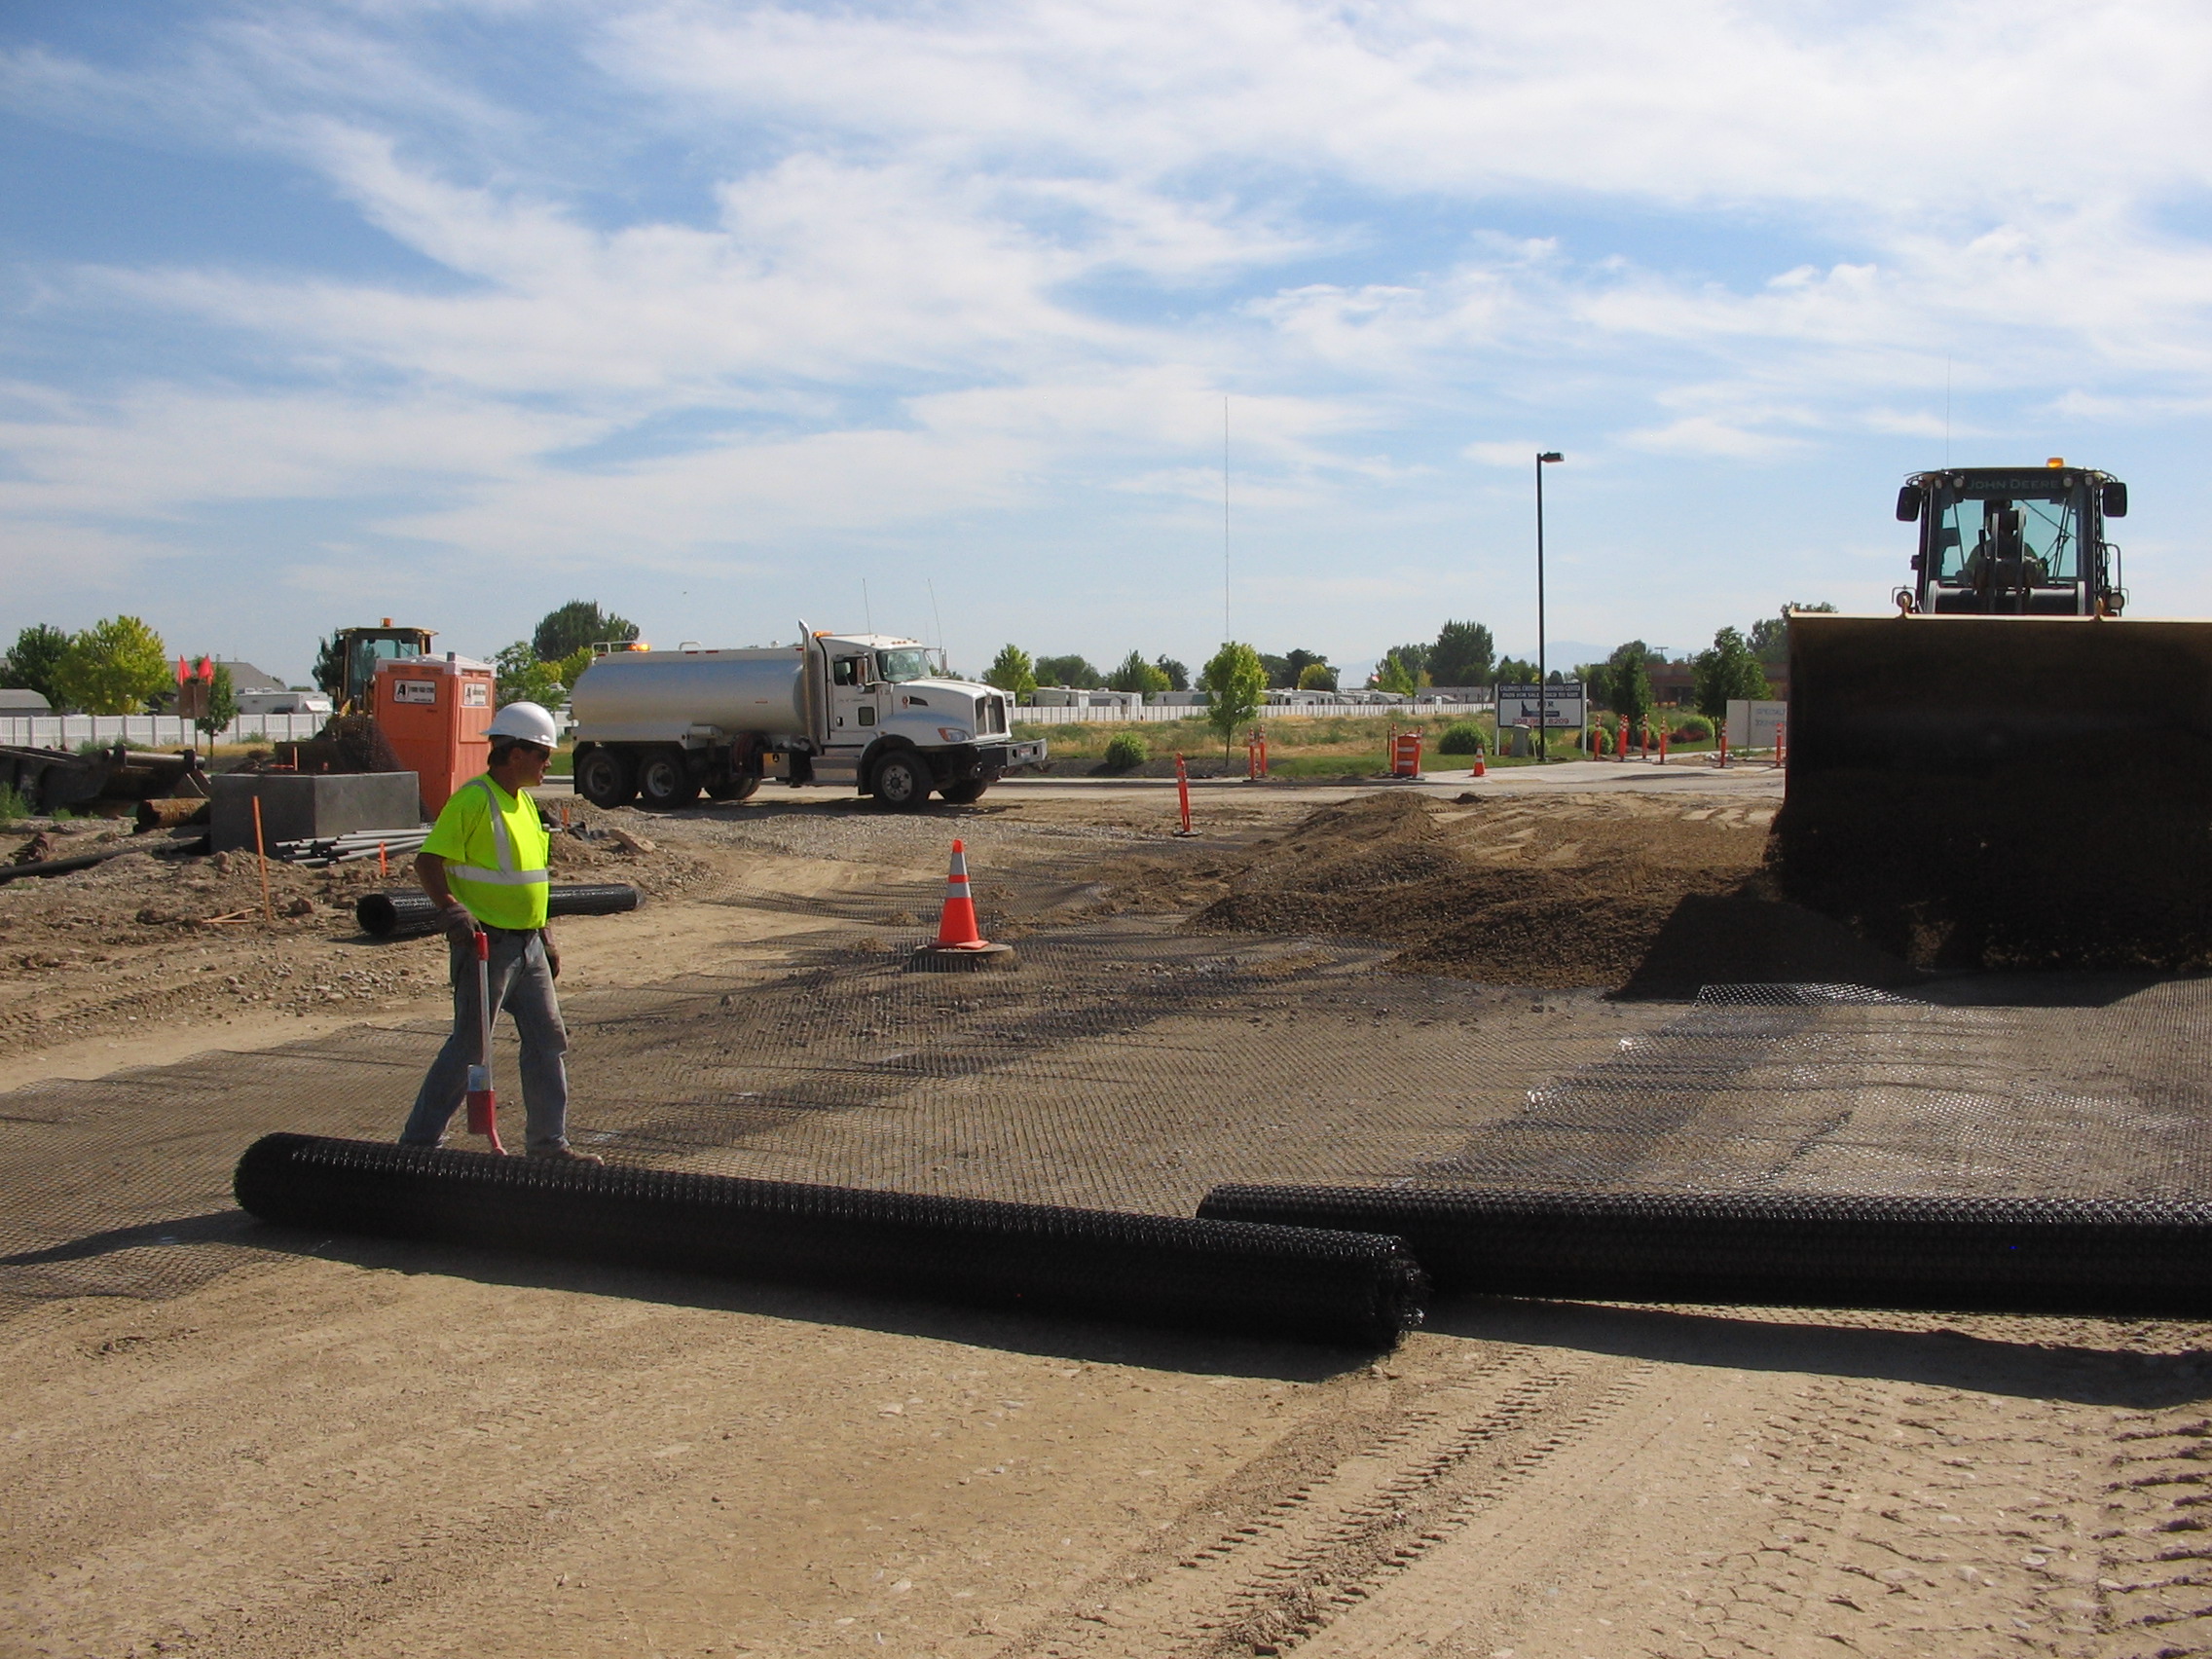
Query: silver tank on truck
x,y
645,696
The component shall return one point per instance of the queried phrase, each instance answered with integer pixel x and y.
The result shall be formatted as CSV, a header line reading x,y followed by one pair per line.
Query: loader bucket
x,y
2002,791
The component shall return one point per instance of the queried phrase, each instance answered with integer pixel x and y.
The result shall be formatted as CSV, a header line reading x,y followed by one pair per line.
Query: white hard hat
x,y
527,722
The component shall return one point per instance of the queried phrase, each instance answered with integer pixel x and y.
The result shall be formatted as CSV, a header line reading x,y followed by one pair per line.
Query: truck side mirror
x,y
2113,497
1908,504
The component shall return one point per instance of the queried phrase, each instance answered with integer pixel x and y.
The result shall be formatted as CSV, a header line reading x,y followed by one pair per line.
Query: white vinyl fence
x,y
1027,715
151,731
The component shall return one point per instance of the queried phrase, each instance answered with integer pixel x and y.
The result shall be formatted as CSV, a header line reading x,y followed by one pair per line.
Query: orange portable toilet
x,y
435,712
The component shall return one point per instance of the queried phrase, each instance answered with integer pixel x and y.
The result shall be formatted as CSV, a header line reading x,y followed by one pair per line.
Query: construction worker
x,y
485,865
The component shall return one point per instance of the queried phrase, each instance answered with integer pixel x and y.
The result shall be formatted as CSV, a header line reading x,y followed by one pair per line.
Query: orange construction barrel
x,y
435,712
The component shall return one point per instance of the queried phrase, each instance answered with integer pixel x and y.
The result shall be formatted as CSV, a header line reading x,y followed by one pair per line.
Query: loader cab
x,y
2025,541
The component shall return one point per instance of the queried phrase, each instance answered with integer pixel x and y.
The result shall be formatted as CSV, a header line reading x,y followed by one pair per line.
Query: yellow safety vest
x,y
495,858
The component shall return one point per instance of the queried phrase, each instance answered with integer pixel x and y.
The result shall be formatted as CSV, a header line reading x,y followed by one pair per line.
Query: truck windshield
x,y
909,662
1971,527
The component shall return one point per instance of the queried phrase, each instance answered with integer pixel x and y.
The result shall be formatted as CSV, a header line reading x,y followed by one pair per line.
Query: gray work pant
x,y
522,984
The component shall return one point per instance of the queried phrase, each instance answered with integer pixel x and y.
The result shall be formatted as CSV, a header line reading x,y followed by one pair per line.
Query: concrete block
x,y
301,807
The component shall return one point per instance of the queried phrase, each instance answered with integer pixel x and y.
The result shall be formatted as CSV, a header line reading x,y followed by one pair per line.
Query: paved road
x,y
1568,777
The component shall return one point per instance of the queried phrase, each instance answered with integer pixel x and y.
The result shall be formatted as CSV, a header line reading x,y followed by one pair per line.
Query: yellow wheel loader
x,y
2007,773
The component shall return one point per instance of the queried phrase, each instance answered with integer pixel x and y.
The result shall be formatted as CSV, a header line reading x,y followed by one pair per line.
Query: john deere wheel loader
x,y
2006,773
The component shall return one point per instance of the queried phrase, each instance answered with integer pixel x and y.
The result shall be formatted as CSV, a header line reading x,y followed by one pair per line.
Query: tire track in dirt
x,y
2155,1586
1323,1525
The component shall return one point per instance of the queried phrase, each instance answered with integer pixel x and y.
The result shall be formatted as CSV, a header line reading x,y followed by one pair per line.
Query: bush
x,y
12,806
1690,729
1125,752
1462,737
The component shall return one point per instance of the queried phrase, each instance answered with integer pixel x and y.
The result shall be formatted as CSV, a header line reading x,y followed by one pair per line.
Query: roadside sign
x,y
1755,724
1552,705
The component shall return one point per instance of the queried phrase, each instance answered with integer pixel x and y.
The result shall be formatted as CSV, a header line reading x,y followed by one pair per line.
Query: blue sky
x,y
317,314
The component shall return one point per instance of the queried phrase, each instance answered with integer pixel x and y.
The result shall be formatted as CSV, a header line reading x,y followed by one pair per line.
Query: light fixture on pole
x,y
1543,696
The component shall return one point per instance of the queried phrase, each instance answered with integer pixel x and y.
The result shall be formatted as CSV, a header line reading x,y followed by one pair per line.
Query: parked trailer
x,y
865,709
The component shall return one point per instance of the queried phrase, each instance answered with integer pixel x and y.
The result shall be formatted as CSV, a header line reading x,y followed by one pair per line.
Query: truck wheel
x,y
664,781
965,794
737,789
606,778
902,783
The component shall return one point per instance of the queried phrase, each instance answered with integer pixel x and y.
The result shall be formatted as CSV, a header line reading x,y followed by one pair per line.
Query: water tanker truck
x,y
662,727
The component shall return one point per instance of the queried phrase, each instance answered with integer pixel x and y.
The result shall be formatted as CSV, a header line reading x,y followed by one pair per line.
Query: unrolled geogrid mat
x,y
1130,1065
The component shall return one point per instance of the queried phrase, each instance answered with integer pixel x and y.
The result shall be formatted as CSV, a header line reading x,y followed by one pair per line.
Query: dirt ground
x,y
225,1440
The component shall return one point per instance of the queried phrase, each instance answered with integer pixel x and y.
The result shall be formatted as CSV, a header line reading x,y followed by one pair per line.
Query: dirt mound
x,y
1656,897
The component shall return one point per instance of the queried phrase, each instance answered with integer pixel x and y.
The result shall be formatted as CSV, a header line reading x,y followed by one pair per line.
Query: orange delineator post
x,y
1620,741
1183,792
1724,746
1662,746
1781,743
483,1103
1256,754
956,924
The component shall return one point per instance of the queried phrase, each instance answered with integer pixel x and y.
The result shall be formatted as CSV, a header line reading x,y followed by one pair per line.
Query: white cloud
x,y
921,270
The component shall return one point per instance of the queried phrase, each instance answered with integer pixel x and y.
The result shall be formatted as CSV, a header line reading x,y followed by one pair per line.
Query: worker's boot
x,y
566,1154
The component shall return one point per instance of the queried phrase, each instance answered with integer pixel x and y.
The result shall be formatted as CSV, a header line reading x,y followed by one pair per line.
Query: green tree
x,y
1295,664
576,626
1465,655
570,668
33,663
222,699
1072,671
1725,669
1317,677
1135,674
1233,681
115,666
1392,675
1010,673
1178,677
1515,670
1628,683
1413,659
524,678
330,668
1770,635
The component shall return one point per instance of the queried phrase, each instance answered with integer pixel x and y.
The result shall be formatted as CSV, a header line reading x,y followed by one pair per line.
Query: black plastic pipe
x,y
1783,1249
1285,1281
408,911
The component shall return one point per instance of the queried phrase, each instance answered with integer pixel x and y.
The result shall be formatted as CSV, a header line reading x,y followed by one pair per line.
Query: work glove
x,y
459,924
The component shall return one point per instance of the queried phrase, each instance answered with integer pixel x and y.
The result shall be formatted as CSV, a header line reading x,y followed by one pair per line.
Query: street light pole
x,y
1543,696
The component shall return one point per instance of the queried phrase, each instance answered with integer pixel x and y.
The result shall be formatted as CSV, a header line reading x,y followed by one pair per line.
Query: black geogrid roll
x,y
1784,1249
397,914
1286,1281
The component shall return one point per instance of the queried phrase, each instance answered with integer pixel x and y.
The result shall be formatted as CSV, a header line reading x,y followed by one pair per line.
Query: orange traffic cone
x,y
1479,770
958,943
956,927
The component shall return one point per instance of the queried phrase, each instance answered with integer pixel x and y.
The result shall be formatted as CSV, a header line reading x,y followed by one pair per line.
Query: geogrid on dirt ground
x,y
482,1455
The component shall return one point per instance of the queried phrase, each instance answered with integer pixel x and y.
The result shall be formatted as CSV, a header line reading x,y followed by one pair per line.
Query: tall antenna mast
x,y
868,611
1225,633
940,615
1946,409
